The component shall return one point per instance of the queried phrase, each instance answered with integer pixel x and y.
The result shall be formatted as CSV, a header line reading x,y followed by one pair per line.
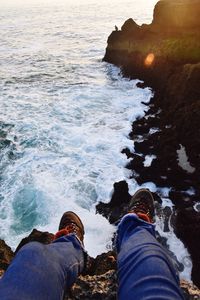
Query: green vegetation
x,y
185,49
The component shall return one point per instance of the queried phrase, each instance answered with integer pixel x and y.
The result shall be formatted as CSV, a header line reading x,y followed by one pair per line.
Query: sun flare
x,y
149,59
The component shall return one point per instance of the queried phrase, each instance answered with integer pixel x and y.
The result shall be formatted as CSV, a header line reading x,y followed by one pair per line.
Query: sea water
x,y
68,115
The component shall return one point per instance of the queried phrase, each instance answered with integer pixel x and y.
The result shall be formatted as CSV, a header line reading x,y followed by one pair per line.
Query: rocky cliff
x,y
100,282
166,56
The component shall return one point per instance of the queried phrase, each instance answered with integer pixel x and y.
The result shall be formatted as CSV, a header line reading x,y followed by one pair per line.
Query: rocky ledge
x,y
166,56
101,281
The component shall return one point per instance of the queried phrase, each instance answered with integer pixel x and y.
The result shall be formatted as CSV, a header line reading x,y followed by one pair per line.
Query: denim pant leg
x,y
43,272
144,269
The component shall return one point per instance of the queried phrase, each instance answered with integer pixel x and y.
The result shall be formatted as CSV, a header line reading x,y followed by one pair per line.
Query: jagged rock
x,y
176,16
118,204
36,236
98,287
190,291
105,287
6,256
141,85
166,56
103,263
188,230
130,27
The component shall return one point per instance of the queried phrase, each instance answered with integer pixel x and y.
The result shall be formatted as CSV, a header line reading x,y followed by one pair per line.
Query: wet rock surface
x,y
188,230
118,205
166,55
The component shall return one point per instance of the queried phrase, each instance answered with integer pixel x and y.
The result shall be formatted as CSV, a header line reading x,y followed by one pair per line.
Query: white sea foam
x,y
69,165
197,207
174,243
183,161
71,114
148,160
153,130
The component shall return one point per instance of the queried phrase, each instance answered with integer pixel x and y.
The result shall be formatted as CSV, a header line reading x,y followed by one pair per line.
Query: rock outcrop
x,y
166,56
98,287
36,236
6,256
100,282
177,16
118,204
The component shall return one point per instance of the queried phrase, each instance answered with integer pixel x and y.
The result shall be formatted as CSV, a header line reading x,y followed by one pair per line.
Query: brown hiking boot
x,y
71,223
142,204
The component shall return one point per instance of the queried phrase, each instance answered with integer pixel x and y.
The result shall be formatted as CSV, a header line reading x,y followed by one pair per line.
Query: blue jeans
x,y
144,269
43,272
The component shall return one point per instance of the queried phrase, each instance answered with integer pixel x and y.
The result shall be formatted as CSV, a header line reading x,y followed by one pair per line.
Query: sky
x,y
43,2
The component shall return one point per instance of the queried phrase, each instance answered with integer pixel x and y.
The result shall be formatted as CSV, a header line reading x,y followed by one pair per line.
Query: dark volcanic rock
x,y
6,255
130,27
98,287
103,263
166,56
104,287
188,229
176,16
118,204
36,236
141,85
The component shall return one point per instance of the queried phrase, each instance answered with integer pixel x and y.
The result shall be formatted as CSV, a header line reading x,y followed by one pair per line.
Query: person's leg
x,y
144,268
43,272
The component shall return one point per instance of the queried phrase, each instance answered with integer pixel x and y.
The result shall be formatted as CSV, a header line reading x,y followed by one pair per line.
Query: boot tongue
x,y
70,228
144,217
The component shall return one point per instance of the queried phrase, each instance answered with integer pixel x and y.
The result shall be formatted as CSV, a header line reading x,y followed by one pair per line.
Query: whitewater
x,y
67,116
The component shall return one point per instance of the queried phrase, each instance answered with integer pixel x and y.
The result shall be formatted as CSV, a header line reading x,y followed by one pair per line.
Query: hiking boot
x,y
142,204
71,223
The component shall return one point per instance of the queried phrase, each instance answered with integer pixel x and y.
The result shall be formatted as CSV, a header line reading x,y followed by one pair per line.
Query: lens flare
x,y
149,59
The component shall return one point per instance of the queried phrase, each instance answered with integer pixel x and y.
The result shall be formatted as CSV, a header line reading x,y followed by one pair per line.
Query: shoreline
x,y
166,56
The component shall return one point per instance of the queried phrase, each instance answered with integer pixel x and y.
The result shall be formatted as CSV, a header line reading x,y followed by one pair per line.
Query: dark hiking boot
x,y
142,204
71,223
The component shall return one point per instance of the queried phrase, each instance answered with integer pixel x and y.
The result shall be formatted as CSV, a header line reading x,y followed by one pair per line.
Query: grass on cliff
x,y
184,49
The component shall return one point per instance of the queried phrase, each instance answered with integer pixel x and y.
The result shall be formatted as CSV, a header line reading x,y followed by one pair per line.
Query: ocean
x,y
65,116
